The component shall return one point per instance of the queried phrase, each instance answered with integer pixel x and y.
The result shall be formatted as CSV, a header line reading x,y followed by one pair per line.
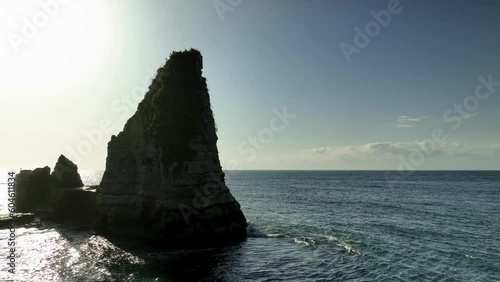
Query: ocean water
x,y
304,226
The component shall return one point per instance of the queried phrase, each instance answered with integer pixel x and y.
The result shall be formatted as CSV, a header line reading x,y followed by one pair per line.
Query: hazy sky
x,y
72,73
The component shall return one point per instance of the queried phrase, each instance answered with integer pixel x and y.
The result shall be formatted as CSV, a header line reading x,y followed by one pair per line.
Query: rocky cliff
x,y
163,180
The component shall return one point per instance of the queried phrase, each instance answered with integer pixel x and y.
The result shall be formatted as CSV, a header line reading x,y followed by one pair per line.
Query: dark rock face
x,y
33,189
74,206
65,174
163,180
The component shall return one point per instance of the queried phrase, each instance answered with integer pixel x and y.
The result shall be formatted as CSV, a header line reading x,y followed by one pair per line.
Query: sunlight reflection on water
x,y
61,255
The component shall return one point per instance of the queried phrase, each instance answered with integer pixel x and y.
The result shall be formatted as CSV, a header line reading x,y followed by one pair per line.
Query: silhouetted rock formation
x,y
163,180
59,196
74,206
65,174
32,189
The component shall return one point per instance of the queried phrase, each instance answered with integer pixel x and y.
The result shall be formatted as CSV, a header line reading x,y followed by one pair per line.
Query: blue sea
x,y
303,226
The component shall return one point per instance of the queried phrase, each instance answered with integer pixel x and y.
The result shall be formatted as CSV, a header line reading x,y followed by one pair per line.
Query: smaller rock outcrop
x,y
33,189
65,174
59,196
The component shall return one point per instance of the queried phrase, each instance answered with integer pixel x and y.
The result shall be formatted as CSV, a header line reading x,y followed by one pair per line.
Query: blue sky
x,y
260,57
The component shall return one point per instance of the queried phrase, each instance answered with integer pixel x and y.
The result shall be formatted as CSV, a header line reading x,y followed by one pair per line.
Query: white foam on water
x,y
472,257
342,244
276,235
305,241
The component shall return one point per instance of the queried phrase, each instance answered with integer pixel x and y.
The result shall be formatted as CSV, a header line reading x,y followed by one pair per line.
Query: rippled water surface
x,y
304,226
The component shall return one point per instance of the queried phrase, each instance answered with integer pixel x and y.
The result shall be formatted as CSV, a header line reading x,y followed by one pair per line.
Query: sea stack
x,y
163,180
66,174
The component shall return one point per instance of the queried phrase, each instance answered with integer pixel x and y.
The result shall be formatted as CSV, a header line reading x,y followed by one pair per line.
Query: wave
x,y
300,239
305,241
314,241
276,235
471,257
343,244
253,232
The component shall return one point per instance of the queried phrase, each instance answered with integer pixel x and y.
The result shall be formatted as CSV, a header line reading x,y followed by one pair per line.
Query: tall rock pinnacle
x,y
163,180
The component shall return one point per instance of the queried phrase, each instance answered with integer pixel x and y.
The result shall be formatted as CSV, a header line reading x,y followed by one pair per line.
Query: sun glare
x,y
55,44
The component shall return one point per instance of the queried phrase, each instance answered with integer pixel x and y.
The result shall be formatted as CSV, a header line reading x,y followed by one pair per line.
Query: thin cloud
x,y
389,151
408,122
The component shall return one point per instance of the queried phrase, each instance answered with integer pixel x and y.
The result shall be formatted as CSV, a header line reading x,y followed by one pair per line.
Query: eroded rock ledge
x,y
163,180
